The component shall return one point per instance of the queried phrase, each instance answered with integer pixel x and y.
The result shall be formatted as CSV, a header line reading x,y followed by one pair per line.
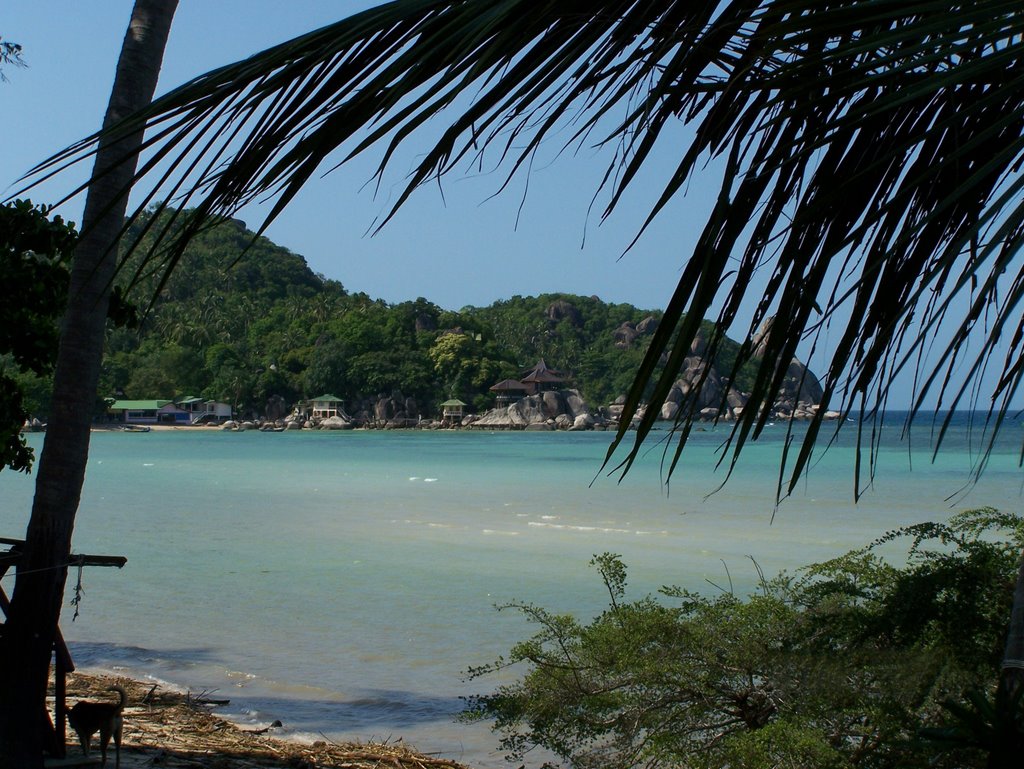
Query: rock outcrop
x,y
703,391
550,410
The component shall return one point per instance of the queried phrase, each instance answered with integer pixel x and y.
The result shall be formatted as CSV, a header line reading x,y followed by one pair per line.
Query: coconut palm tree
x,y
27,641
866,156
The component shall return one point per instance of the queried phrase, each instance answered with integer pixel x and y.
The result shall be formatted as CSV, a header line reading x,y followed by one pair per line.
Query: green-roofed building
x,y
452,410
148,412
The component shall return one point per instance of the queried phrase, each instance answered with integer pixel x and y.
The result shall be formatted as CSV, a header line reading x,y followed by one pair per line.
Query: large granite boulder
x,y
552,404
563,310
336,423
496,419
574,403
561,409
527,411
648,325
624,335
276,408
800,384
582,422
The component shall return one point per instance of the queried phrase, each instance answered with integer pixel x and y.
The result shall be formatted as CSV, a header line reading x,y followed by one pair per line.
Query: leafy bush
x,y
842,664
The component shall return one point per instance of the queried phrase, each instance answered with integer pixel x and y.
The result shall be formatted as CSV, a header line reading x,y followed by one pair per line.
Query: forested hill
x,y
245,330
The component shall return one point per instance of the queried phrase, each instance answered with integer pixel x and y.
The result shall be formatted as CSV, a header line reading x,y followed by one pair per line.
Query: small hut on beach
x,y
452,411
327,406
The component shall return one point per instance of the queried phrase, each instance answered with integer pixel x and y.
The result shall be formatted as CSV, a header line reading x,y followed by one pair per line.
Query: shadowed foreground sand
x,y
170,729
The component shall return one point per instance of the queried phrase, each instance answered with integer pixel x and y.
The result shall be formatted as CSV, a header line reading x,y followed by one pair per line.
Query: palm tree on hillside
x,y
866,156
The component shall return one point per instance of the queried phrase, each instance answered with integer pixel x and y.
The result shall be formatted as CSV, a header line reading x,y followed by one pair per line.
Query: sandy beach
x,y
179,730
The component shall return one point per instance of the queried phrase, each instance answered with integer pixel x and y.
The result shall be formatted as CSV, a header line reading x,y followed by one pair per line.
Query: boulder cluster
x,y
551,410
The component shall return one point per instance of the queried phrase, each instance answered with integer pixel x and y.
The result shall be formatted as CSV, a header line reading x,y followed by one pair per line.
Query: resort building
x,y
325,406
149,412
541,378
508,391
203,411
452,411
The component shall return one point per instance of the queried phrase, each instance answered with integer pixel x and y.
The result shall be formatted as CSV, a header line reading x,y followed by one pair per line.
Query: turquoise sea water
x,y
343,582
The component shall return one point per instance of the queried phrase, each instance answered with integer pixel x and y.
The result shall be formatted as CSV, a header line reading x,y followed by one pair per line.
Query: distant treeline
x,y
242,330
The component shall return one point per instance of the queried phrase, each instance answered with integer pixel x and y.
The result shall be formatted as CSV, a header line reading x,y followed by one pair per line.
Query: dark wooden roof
x,y
541,373
508,385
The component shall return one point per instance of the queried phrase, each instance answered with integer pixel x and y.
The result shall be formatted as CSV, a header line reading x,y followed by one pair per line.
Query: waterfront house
x,y
149,412
452,411
204,411
325,406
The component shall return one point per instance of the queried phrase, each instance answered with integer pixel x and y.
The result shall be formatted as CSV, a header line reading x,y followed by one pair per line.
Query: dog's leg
x,y
104,742
118,727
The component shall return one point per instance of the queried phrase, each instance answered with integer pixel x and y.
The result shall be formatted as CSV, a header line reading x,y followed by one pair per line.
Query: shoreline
x,y
175,730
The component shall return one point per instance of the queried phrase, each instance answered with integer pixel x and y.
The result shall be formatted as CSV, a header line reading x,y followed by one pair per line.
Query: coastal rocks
x,y
386,411
701,388
550,410
702,391
276,408
336,423
575,406
583,422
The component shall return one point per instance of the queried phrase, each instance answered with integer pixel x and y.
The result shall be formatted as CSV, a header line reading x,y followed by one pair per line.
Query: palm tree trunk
x,y
28,637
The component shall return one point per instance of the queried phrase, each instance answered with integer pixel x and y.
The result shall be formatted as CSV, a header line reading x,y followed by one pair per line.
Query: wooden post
x,y
55,729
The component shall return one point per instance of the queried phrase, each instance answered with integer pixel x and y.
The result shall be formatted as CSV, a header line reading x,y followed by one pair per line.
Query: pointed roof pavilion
x,y
541,376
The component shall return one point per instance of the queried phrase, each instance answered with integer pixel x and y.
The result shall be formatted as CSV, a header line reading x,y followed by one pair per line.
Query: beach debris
x,y
174,730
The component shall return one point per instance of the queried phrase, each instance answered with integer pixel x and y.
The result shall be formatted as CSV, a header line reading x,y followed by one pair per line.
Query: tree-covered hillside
x,y
243,326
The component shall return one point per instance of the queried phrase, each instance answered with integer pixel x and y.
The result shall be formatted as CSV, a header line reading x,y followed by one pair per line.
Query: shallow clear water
x,y
343,582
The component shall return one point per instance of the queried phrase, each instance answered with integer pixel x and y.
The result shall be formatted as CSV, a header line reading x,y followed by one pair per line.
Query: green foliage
x,y
34,256
848,663
241,320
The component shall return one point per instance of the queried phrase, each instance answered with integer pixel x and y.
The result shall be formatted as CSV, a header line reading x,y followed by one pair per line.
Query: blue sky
x,y
462,247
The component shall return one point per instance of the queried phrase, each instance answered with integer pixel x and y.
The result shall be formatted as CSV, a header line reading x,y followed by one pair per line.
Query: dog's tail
x,y
121,693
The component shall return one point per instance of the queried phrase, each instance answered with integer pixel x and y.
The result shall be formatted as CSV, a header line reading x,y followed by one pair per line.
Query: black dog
x,y
87,718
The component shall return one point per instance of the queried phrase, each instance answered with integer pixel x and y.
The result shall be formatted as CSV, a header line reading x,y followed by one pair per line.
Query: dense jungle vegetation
x,y
241,320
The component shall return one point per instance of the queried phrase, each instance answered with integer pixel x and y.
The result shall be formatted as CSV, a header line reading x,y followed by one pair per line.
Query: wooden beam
x,y
12,556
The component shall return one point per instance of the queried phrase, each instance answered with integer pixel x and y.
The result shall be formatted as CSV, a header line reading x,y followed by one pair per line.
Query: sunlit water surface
x,y
344,582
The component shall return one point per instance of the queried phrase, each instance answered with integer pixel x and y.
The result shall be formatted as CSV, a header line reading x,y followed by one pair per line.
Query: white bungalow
x,y
203,411
325,406
452,410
